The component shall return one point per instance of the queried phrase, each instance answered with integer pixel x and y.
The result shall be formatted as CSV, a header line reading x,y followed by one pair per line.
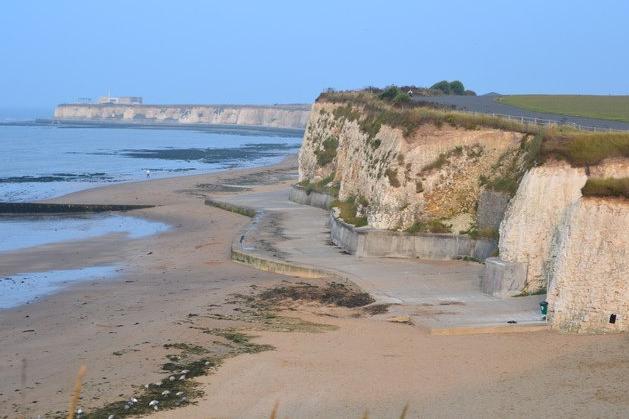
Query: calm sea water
x,y
38,162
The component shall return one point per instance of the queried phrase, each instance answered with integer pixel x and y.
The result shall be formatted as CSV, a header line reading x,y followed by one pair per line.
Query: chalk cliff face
x,y
536,216
289,116
550,237
435,173
588,271
533,217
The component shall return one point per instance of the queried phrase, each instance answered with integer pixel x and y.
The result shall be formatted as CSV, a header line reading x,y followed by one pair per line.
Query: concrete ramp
x,y
436,296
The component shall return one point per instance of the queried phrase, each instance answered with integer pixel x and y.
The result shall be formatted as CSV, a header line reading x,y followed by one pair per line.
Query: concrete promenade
x,y
442,296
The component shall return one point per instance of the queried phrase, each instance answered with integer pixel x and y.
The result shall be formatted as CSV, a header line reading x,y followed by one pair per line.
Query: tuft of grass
x,y
393,179
487,233
585,149
325,186
349,209
437,164
432,226
616,187
327,154
540,291
76,392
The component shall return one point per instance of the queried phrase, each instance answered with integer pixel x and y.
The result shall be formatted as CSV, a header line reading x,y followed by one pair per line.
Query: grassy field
x,y
614,108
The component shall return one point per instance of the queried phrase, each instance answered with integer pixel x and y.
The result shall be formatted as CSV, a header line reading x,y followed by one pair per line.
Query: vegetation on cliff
x,y
371,112
584,149
327,185
617,187
350,210
327,153
373,109
432,226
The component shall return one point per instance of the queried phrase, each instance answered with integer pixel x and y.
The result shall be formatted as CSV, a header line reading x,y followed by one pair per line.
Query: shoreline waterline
x,y
44,162
33,233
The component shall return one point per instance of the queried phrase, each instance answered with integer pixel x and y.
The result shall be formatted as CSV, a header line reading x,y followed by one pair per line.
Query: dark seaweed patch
x,y
211,155
59,177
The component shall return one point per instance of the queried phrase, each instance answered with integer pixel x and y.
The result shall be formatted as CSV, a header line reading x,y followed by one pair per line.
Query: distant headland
x,y
130,110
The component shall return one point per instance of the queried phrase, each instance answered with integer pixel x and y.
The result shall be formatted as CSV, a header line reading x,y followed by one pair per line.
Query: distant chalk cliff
x,y
275,116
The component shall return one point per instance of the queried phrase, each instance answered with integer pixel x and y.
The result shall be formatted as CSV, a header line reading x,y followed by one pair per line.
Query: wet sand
x,y
118,329
164,278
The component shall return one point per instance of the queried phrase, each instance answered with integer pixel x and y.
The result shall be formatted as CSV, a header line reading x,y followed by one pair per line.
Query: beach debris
x,y
400,319
179,393
184,372
183,377
146,385
157,384
172,378
153,404
207,363
111,417
165,392
133,400
79,411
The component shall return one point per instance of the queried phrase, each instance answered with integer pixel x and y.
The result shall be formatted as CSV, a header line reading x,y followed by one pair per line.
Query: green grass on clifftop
x,y
582,149
618,187
614,108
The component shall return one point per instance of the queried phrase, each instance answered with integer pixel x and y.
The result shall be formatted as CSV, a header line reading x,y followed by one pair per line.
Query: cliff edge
x,y
555,198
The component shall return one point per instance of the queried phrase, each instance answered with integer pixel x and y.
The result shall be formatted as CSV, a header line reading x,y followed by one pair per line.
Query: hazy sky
x,y
269,51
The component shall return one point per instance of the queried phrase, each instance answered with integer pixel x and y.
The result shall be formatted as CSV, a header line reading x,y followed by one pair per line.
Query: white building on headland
x,y
120,100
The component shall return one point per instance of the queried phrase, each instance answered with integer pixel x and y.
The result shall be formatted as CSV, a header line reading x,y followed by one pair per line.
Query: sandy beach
x,y
176,286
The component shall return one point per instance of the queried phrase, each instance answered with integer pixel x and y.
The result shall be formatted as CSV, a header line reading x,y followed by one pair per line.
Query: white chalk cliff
x,y
279,116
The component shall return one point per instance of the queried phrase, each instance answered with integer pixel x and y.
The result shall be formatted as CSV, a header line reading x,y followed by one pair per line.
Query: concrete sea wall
x,y
314,199
368,242
276,116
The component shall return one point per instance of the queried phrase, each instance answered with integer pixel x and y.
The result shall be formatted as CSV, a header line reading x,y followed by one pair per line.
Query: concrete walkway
x,y
439,295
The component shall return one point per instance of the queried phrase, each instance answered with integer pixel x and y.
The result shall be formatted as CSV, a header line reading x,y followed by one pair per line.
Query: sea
x,y
44,161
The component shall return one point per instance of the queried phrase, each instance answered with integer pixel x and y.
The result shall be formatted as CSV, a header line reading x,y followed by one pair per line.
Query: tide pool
x,y
22,232
24,288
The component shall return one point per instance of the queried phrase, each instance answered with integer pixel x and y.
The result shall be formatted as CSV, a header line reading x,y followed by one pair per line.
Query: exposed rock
x,y
491,209
533,216
432,174
589,269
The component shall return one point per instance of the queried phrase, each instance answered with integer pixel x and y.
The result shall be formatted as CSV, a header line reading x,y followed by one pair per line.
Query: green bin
x,y
543,309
